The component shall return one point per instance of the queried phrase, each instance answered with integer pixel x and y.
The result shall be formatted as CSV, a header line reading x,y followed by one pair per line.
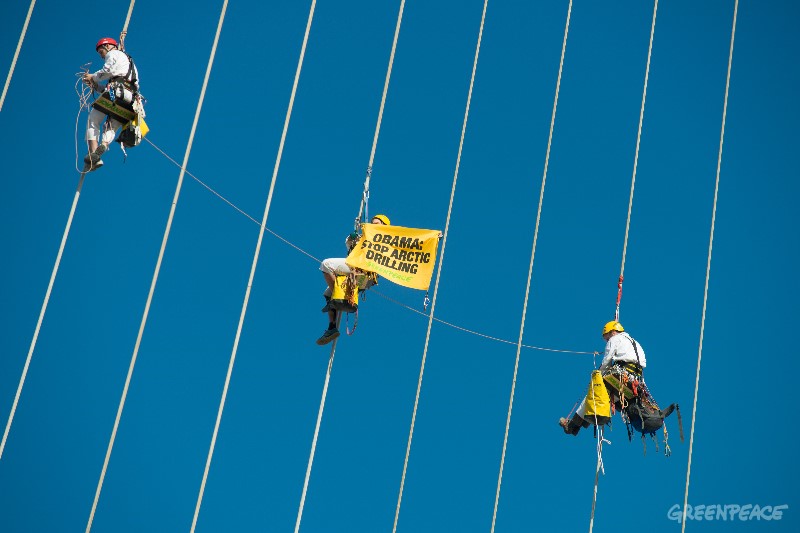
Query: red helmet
x,y
105,40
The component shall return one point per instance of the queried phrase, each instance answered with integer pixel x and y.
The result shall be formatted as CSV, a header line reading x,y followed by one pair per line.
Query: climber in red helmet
x,y
118,82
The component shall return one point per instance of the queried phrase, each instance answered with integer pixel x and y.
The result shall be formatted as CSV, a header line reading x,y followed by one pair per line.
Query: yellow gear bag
x,y
598,403
345,294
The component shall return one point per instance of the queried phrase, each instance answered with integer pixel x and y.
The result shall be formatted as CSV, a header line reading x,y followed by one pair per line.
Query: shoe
x,y
328,336
90,166
100,150
564,423
327,307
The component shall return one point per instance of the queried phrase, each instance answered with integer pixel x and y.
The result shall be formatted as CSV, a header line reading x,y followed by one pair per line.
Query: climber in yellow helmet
x,y
624,358
337,266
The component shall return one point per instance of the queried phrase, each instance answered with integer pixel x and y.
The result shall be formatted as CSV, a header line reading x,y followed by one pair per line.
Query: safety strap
x,y
130,76
638,361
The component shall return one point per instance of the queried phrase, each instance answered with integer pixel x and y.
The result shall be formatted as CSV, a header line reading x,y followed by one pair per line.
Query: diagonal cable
x,y
636,154
708,265
253,268
439,270
16,54
58,255
365,195
158,267
530,267
42,313
339,316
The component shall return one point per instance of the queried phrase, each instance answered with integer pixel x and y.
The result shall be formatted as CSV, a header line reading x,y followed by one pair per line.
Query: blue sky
x,y
745,441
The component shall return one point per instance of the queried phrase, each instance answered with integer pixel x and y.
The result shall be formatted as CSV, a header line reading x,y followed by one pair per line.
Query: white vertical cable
x,y
16,54
316,430
158,266
638,140
42,312
339,316
708,265
58,256
380,111
439,270
253,268
530,267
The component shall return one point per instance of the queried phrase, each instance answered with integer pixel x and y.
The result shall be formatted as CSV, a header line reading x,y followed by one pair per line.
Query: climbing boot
x,y
568,427
89,165
328,336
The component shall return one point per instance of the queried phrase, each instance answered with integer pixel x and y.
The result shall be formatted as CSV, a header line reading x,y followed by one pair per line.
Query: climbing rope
x,y
84,93
600,440
158,266
16,54
636,158
362,210
253,267
708,265
530,267
439,270
316,429
124,31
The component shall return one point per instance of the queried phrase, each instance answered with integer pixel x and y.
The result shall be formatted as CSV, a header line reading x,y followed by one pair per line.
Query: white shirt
x,y
116,64
620,348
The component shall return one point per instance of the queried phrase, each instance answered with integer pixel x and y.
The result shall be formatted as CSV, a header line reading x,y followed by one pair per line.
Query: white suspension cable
x,y
158,266
16,54
636,155
439,270
380,112
530,267
708,265
253,268
83,97
42,312
364,198
316,429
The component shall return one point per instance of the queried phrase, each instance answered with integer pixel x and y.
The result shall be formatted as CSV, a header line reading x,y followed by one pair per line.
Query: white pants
x,y
335,267
94,125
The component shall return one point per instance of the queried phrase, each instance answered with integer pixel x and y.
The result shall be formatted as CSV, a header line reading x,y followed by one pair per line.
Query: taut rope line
x,y
60,249
42,312
364,199
16,54
530,267
253,266
158,267
636,156
708,265
376,292
439,270
365,195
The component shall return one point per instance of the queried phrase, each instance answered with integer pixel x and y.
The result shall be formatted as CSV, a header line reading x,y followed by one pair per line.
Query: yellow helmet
x,y
612,326
382,218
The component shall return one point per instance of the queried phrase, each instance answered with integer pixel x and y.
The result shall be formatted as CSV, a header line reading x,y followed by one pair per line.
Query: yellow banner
x,y
402,255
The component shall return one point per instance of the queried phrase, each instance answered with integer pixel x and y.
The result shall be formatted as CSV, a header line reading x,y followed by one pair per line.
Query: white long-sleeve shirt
x,y
116,64
619,348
